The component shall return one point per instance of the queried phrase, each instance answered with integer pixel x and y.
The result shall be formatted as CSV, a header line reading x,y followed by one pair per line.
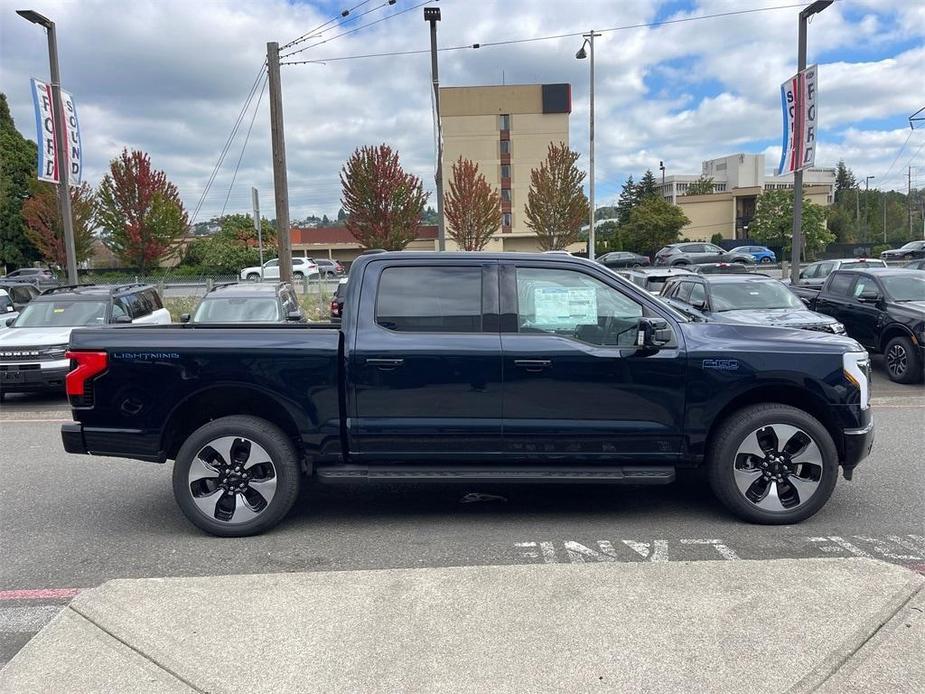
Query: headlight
x,y
56,351
838,328
856,367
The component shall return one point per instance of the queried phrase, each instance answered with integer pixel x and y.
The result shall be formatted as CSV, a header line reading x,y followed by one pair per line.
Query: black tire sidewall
x,y
282,453
729,437
913,372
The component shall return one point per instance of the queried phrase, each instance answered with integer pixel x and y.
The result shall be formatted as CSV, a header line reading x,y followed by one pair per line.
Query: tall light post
x,y
581,55
64,194
867,201
796,247
432,16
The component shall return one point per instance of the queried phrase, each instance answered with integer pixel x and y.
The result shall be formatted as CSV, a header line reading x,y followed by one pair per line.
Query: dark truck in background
x,y
475,368
883,309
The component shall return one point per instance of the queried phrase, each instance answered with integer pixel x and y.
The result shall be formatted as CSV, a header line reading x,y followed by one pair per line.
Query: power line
x,y
550,37
309,34
884,177
247,137
228,142
353,31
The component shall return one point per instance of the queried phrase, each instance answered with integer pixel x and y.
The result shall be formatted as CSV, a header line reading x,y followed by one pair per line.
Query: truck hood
x,y
34,337
742,337
786,317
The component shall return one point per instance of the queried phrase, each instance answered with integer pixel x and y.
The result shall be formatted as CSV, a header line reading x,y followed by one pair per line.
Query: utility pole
x,y
797,245
581,55
883,204
867,225
280,178
258,226
432,15
61,158
909,198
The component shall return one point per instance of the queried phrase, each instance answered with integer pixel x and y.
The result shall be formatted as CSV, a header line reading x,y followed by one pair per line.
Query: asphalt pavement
x,y
69,523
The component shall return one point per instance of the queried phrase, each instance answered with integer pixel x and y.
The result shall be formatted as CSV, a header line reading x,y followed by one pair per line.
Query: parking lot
x,y
74,522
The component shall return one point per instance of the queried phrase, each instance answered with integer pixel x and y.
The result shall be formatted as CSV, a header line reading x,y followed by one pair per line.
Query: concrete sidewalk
x,y
832,625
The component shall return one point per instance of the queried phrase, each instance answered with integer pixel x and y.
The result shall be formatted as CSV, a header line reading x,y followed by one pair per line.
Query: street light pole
x,y
867,202
64,193
796,246
432,15
581,55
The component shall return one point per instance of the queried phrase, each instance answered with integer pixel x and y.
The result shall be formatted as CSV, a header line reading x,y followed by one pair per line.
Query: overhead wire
x,y
309,34
550,37
244,145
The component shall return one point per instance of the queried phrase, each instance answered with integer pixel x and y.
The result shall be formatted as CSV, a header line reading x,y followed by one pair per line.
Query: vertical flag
x,y
798,104
46,123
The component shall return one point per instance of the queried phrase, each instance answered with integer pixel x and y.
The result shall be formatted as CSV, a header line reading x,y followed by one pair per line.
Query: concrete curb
x,y
780,625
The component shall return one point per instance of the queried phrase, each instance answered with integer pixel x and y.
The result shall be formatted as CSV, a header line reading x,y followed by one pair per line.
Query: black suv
x,y
884,310
267,302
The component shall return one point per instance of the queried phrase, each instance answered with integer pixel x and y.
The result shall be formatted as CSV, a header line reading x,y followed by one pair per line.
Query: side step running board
x,y
597,474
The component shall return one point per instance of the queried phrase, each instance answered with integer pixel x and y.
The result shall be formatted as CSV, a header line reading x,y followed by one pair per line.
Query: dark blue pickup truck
x,y
475,368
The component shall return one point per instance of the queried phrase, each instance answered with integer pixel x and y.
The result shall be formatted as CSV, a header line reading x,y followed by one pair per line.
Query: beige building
x,y
738,181
506,130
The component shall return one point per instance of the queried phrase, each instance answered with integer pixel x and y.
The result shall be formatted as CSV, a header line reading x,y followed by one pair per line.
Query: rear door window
x,y
430,299
698,296
840,284
684,292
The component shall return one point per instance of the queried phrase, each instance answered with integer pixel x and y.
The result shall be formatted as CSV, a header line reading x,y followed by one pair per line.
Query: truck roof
x,y
447,256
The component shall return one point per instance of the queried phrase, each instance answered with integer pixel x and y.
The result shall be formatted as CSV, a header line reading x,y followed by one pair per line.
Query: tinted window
x,y
6,304
572,304
840,285
684,292
430,299
693,248
155,300
698,295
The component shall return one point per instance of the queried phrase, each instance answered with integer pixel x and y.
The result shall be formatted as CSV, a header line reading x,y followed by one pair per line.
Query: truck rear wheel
x,y
236,476
902,361
772,464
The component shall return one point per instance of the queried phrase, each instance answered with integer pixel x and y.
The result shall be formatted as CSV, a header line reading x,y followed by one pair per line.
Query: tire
x,y
275,482
680,262
298,276
253,277
765,260
636,266
779,494
903,363
741,261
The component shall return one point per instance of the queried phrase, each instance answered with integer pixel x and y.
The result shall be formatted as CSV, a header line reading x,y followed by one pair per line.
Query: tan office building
x,y
506,130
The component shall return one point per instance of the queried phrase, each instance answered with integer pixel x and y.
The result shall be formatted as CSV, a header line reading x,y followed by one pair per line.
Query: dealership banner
x,y
46,123
798,103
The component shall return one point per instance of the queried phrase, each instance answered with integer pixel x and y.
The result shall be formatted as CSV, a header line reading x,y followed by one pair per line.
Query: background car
x,y
753,299
909,251
248,303
41,277
813,276
20,293
761,254
652,279
301,268
616,259
32,350
337,301
693,252
329,268
724,269
915,265
7,310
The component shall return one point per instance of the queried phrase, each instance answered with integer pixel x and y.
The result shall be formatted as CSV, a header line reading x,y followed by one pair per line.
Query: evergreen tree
x,y
647,187
844,181
627,200
17,169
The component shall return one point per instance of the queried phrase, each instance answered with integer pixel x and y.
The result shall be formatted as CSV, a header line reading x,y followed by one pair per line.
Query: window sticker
x,y
563,305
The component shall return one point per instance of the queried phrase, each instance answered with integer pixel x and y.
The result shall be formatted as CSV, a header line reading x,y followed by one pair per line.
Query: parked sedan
x,y
617,259
692,253
910,251
761,254
753,299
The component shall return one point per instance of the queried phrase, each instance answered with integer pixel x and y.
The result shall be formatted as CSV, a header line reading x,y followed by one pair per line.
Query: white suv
x,y
301,268
33,348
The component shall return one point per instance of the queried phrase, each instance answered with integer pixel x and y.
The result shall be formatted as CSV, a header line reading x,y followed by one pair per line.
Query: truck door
x,y
575,383
425,366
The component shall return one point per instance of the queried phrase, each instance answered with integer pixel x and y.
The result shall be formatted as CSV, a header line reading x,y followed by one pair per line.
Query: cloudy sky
x,y
171,77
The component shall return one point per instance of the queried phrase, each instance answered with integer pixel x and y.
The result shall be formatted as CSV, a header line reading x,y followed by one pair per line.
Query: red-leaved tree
x,y
140,211
472,207
42,215
383,203
556,204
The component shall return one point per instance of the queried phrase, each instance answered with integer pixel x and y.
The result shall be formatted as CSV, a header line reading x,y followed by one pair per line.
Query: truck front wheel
x,y
236,476
772,464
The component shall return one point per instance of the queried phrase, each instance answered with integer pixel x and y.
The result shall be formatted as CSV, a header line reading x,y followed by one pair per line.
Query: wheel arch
x,y
891,331
220,401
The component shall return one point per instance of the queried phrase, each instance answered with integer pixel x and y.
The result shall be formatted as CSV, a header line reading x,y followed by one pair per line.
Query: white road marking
x,y
841,544
658,549
720,546
26,619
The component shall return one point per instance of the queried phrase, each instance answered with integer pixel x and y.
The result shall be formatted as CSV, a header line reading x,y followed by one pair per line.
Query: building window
x,y
506,194
505,171
505,146
504,121
506,219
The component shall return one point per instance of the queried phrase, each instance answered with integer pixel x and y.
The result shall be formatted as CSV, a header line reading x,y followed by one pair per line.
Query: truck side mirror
x,y
122,319
10,321
185,318
294,316
869,296
654,333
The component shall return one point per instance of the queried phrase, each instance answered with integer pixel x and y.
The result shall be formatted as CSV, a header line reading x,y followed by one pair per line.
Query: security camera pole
x,y
64,194
432,15
280,178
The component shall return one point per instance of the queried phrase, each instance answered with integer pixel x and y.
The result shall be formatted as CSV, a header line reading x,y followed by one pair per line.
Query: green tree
x,y
238,229
773,223
17,170
607,237
626,201
844,181
383,203
556,204
43,221
140,211
653,223
702,186
647,187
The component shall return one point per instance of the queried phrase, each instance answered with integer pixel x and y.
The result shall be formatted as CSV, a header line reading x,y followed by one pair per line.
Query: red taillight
x,y
89,365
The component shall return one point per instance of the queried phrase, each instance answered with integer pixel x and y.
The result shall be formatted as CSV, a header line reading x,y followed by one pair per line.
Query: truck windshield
x,y
734,296
910,288
237,310
62,314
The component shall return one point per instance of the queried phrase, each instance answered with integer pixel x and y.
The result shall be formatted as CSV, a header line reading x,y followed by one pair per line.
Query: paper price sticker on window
x,y
565,306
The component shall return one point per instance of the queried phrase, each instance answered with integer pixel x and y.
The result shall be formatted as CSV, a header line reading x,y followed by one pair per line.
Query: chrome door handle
x,y
533,365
